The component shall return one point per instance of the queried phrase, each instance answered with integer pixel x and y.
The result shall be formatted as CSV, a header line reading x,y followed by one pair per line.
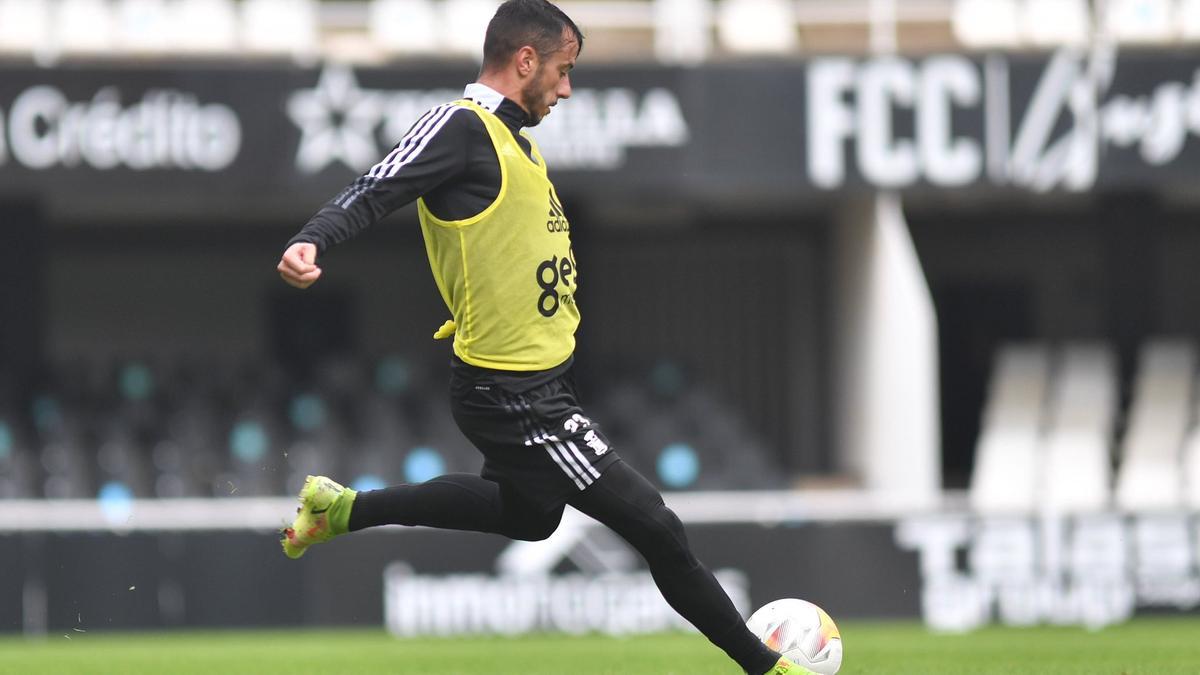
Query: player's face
x,y
551,81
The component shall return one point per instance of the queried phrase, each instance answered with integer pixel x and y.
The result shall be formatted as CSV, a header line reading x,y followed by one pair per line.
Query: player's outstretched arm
x,y
298,266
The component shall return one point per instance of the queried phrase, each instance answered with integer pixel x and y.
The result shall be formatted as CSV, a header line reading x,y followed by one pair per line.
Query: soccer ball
x,y
800,631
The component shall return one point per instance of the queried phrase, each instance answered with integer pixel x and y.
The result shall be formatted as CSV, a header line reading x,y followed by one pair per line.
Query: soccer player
x,y
499,248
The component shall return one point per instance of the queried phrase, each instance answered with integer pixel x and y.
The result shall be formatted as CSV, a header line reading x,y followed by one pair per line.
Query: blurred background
x,y
906,284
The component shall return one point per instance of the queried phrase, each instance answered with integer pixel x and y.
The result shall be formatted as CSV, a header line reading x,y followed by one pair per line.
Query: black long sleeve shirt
x,y
446,157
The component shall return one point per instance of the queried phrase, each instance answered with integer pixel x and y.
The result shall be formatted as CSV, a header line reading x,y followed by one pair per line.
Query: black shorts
x,y
534,436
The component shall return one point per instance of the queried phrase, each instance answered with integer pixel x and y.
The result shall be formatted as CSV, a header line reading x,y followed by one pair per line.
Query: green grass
x,y
1162,646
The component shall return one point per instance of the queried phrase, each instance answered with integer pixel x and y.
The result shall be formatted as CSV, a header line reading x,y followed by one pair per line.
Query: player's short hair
x,y
518,23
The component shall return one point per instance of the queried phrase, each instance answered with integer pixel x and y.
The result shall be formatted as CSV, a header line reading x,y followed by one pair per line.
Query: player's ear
x,y
527,61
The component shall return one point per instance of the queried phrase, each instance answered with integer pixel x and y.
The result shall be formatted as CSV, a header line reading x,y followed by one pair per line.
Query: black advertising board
x,y
228,579
257,136
1071,121
252,138
954,570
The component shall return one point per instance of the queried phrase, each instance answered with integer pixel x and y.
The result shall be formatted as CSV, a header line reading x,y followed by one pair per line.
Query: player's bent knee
x,y
670,541
667,519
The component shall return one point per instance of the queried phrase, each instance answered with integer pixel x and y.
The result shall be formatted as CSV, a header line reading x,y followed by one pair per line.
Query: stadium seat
x,y
620,403
256,465
24,26
383,421
394,375
190,449
58,418
280,27
68,470
1150,480
143,26
206,26
120,459
1005,476
374,462
307,457
84,27
386,430
654,435
438,432
738,459
1191,470
1054,23
405,26
1084,391
1187,18
469,19
1007,458
254,383
682,30
1148,477
194,422
1076,472
1141,21
17,472
316,440
987,23
169,465
757,26
342,382
1018,389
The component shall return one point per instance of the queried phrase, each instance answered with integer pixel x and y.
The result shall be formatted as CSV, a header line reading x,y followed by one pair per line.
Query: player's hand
x,y
298,266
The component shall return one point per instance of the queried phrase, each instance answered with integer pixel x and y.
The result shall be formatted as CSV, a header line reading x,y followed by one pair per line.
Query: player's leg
x,y
623,500
454,501
457,501
495,422
553,452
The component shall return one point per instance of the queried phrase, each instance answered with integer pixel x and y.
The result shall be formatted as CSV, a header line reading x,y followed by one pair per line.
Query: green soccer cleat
x,y
786,667
323,514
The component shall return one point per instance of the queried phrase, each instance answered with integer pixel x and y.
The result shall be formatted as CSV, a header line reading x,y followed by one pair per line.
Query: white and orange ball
x,y
801,631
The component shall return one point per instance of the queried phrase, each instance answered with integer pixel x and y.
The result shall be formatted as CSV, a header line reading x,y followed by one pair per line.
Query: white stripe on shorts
x,y
521,407
571,460
556,449
591,469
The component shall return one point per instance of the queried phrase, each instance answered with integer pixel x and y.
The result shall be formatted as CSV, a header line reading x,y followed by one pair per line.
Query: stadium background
x,y
903,286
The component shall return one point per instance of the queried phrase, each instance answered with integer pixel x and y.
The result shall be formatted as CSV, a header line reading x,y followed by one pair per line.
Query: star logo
x,y
337,122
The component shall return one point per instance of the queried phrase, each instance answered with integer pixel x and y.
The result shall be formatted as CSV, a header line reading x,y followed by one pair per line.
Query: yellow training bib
x,y
508,274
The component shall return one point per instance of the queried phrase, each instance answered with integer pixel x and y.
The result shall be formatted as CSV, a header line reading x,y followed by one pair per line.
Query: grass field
x,y
1163,646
